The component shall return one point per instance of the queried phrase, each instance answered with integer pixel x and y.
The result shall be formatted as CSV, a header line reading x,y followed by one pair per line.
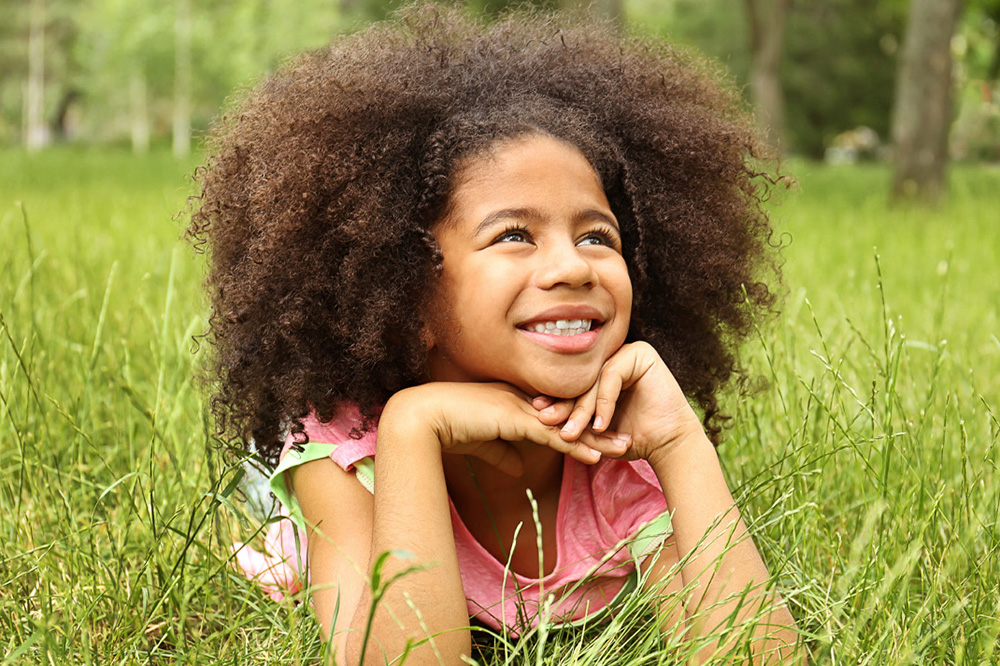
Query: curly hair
x,y
324,184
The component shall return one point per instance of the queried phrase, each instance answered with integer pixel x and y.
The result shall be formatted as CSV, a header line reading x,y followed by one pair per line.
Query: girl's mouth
x,y
564,336
565,327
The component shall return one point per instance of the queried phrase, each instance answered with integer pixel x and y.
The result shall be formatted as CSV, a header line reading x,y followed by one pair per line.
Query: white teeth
x,y
563,326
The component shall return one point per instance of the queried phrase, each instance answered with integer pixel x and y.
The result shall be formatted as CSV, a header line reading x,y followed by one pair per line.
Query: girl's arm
x,y
410,513
725,570
724,573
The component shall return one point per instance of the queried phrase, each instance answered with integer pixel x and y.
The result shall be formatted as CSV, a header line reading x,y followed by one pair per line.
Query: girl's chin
x,y
562,389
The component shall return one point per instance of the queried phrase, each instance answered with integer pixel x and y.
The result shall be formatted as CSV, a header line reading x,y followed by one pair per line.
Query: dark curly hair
x,y
318,201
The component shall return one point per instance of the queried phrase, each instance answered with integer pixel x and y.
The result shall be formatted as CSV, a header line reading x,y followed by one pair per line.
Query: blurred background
x,y
869,465
834,80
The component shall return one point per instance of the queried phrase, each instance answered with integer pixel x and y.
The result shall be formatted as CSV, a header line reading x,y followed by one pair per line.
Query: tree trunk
x,y
922,114
36,135
993,71
61,128
767,30
182,80
138,112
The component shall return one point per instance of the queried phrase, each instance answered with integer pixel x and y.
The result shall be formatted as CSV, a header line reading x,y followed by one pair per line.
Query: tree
x,y
923,109
839,70
767,30
182,80
36,135
837,59
989,10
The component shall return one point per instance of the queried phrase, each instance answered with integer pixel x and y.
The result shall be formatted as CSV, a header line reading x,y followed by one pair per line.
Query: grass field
x,y
867,464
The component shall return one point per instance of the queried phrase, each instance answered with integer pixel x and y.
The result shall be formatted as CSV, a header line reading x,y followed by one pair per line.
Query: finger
x,y
529,428
591,447
550,436
579,417
556,413
542,401
609,444
588,455
609,388
534,431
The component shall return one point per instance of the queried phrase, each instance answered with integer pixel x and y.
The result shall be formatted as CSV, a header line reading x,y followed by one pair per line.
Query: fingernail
x,y
548,411
595,452
623,437
569,427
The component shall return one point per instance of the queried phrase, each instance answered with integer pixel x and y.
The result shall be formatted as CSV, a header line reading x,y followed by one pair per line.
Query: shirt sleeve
x,y
339,431
333,440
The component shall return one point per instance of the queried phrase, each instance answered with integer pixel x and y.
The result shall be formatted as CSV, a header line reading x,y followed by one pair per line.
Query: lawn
x,y
865,457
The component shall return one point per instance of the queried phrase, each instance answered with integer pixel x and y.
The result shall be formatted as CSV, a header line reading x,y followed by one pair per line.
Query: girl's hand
x,y
636,395
484,419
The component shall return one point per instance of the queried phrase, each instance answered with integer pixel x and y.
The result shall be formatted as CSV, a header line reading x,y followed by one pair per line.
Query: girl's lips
x,y
565,344
565,312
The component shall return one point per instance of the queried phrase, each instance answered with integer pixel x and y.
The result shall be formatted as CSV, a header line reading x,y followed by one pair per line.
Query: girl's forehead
x,y
518,156
503,148
512,164
546,176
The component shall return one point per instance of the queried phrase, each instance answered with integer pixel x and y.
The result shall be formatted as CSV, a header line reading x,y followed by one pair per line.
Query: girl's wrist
x,y
677,428
679,455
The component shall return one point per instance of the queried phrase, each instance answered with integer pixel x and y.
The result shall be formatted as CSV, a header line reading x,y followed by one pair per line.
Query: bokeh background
x,y
863,448
824,76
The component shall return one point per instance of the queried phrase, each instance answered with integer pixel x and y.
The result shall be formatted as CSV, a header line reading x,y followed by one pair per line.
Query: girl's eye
x,y
514,235
600,237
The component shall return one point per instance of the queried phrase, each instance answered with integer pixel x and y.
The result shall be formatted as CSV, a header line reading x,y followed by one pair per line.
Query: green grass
x,y
867,465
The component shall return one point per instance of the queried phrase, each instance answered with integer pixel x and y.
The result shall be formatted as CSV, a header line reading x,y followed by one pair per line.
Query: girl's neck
x,y
470,479
494,506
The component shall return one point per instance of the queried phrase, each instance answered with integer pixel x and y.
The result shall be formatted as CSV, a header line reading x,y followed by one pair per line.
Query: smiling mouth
x,y
564,327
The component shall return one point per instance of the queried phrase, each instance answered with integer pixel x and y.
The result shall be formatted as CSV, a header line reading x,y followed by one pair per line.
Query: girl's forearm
x,y
723,569
412,515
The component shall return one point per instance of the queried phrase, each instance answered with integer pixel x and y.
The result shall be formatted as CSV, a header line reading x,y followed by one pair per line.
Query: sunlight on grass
x,y
866,466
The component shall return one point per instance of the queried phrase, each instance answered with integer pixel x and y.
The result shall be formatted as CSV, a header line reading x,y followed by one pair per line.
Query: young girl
x,y
463,278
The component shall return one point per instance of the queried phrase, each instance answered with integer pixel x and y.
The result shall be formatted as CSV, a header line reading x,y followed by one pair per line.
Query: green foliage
x,y
62,68
716,28
838,69
976,131
99,54
867,467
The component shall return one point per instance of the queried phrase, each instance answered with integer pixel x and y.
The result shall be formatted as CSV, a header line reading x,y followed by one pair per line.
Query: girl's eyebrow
x,y
589,214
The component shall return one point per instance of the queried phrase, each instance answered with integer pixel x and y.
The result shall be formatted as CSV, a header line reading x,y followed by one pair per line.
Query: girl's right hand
x,y
486,419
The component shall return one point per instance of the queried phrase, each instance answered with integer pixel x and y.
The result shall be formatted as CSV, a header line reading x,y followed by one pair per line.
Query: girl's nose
x,y
563,264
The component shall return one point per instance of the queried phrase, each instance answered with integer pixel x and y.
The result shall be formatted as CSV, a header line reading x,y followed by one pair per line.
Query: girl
x,y
462,279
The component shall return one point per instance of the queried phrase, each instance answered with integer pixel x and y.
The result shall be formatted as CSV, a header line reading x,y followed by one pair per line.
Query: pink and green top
x,y
611,516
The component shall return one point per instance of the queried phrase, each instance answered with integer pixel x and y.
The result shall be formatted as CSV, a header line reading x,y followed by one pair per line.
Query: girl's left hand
x,y
635,394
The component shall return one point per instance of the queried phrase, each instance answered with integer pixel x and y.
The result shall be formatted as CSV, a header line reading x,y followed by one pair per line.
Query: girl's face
x,y
534,290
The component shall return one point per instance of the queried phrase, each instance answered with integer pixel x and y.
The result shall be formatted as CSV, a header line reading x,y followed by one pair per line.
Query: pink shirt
x,y
601,508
